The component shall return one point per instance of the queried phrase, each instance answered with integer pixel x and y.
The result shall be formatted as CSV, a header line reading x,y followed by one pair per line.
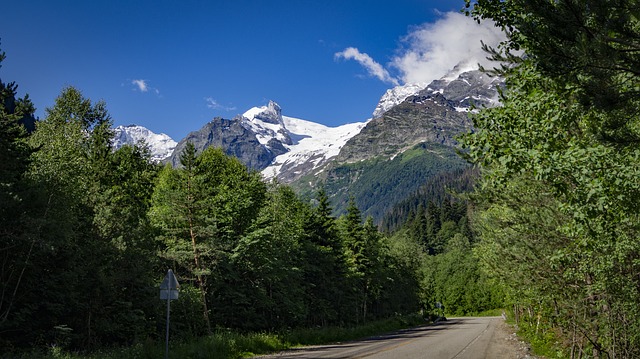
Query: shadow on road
x,y
372,342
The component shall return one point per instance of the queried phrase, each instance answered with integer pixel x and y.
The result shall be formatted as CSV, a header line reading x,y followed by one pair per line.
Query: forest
x,y
88,233
547,227
558,204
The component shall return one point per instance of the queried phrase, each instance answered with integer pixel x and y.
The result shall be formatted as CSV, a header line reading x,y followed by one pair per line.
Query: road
x,y
459,338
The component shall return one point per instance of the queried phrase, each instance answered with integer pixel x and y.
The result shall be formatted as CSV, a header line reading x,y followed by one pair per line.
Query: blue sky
x,y
172,66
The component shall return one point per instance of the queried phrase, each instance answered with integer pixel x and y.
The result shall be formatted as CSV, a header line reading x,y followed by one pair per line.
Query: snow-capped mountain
x,y
466,86
409,143
396,96
265,140
160,145
313,145
411,137
267,123
308,145
436,114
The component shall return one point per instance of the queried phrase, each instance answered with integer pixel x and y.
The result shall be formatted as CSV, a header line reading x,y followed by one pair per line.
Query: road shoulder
x,y
506,344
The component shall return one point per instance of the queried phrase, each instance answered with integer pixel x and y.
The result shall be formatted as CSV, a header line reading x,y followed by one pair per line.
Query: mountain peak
x,y
271,113
160,145
395,96
398,94
267,123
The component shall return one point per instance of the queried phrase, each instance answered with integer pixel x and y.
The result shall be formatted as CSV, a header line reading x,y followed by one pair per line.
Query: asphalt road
x,y
459,338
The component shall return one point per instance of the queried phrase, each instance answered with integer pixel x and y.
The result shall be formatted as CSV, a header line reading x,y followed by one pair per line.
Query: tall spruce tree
x,y
325,268
16,246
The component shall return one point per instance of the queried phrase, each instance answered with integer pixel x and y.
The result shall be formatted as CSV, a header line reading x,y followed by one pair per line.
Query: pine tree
x,y
16,248
325,268
202,210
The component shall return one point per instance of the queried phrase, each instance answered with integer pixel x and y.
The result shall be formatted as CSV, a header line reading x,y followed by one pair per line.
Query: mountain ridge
x,y
409,140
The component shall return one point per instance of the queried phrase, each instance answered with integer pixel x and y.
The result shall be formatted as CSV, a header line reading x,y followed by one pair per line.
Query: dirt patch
x,y
505,344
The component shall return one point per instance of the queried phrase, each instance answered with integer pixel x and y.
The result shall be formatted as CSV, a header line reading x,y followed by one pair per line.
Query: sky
x,y
172,66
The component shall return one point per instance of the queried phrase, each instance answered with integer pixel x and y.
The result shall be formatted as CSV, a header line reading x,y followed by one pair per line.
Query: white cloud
x,y
431,49
141,84
374,68
213,104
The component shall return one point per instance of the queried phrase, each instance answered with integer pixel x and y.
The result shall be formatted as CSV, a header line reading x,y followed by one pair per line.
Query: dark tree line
x,y
436,190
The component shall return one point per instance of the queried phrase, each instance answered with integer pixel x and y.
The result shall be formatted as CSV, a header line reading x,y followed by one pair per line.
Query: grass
x,y
228,344
543,341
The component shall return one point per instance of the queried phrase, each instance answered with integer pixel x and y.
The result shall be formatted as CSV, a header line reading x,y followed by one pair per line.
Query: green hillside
x,y
378,184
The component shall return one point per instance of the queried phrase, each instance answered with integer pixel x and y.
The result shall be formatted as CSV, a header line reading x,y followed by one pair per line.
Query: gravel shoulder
x,y
506,344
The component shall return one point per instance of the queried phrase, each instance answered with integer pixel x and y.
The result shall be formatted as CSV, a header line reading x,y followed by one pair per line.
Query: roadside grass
x,y
314,336
543,341
226,344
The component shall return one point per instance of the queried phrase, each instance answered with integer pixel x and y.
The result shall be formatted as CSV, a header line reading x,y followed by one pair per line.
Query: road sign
x,y
169,287
169,291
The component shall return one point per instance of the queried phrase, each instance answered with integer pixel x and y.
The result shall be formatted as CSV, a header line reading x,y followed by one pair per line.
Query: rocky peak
x,y
468,88
232,137
435,114
395,96
268,125
272,113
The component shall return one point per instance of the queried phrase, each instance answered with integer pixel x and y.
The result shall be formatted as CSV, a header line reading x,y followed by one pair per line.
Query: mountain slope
x,y
380,162
234,139
313,146
436,114
409,143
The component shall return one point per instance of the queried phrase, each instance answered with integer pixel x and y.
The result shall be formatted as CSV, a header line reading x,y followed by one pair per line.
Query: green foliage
x,y
201,211
83,267
269,264
560,220
589,46
325,266
449,270
16,246
228,344
544,340
88,232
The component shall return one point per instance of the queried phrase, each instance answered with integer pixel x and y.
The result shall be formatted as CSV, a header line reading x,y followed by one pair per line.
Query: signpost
x,y
169,291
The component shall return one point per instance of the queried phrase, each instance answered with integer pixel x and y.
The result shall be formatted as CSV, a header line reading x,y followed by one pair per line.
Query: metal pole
x,y
166,350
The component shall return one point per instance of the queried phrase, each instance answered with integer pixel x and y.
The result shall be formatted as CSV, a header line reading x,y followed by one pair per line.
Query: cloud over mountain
x,y
429,50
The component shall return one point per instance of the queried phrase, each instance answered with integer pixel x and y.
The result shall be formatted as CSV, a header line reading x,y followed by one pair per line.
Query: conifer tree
x,y
325,267
16,248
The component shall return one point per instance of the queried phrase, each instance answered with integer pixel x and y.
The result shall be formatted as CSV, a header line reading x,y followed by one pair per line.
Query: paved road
x,y
459,338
